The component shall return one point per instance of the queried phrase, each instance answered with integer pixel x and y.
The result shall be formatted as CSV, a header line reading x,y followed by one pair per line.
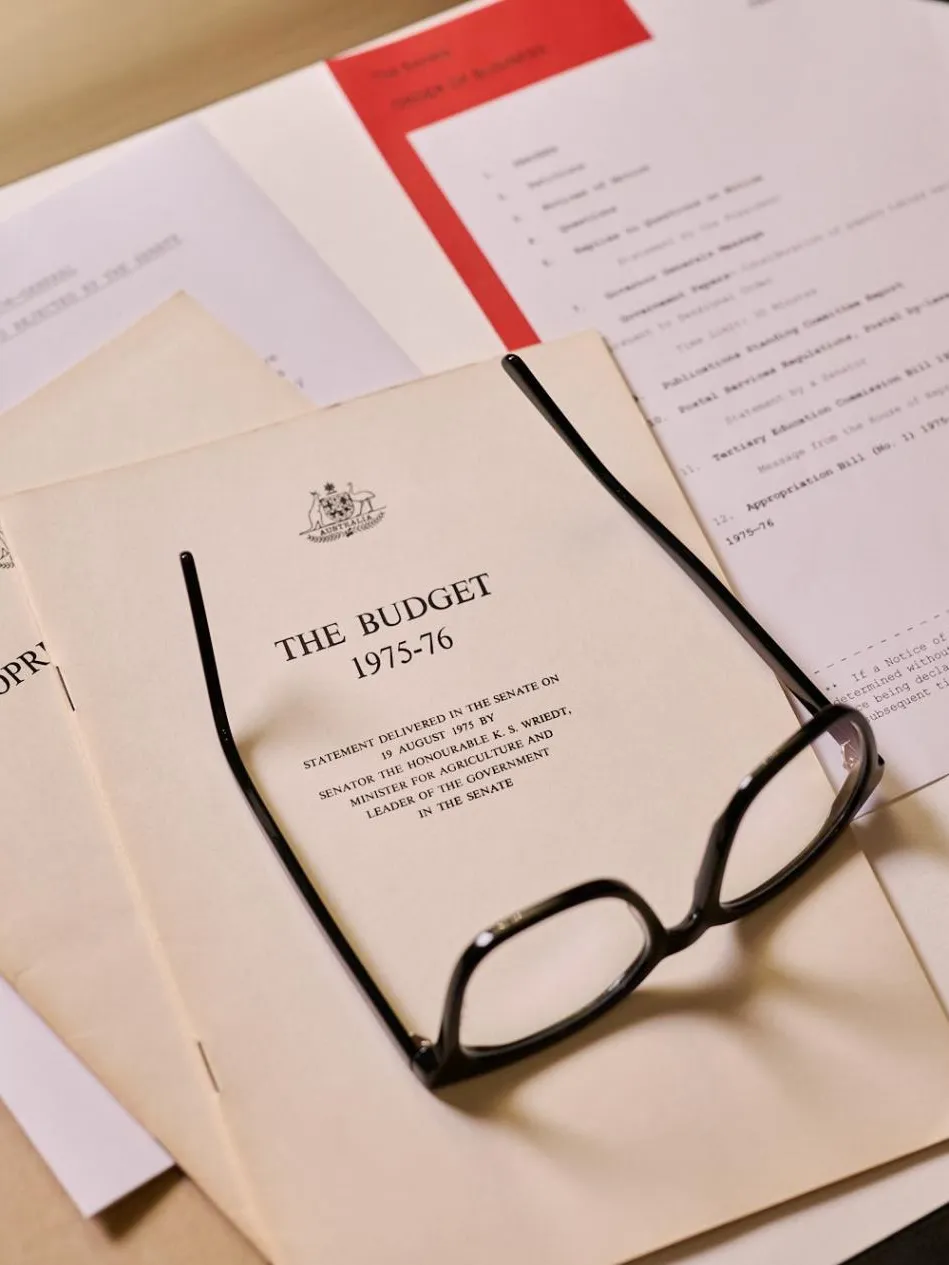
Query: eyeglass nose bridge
x,y
685,933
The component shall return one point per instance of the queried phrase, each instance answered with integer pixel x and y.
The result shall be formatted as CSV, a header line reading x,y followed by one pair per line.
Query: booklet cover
x,y
427,582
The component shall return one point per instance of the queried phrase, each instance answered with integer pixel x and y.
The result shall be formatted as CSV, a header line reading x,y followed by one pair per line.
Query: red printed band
x,y
421,79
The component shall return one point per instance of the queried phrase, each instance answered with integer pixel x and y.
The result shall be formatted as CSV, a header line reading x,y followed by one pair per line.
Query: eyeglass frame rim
x,y
458,1061
446,1060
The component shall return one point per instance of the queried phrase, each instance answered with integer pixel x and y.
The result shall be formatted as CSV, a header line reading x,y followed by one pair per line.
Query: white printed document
x,y
762,240
171,213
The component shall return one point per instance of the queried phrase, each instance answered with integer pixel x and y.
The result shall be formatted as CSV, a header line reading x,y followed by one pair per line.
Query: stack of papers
x,y
760,250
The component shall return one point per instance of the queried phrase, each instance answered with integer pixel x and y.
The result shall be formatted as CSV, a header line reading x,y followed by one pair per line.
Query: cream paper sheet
x,y
770,1060
73,938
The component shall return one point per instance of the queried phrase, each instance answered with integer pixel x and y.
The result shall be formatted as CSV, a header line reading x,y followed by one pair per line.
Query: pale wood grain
x,y
76,74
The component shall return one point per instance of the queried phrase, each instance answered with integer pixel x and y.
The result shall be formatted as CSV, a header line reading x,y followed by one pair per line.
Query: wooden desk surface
x,y
77,74
168,1222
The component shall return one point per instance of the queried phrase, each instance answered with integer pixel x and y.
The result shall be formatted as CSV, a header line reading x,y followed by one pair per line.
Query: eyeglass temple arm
x,y
788,673
409,1044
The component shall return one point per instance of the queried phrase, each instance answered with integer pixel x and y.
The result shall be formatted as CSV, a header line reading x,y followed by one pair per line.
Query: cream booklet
x,y
484,598
73,934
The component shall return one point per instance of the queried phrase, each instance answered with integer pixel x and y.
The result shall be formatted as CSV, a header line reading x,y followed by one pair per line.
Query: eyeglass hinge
x,y
424,1061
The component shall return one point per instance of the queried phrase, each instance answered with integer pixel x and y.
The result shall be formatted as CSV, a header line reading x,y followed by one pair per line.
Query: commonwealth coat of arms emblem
x,y
336,513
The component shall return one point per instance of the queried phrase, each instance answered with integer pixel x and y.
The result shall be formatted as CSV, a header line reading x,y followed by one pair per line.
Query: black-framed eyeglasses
x,y
591,922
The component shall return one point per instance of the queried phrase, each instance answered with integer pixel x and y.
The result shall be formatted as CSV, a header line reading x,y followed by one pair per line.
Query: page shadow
x,y
123,1217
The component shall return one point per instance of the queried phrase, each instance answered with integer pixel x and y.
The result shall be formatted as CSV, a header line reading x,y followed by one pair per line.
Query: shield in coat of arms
x,y
335,506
